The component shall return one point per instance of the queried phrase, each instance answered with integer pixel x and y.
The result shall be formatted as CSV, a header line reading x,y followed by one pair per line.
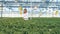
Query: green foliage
x,y
33,26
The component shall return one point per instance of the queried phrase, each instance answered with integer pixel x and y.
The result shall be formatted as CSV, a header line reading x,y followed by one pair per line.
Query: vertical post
x,y
31,8
31,12
1,7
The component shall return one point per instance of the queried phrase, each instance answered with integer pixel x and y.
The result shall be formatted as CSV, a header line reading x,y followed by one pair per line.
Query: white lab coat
x,y
25,16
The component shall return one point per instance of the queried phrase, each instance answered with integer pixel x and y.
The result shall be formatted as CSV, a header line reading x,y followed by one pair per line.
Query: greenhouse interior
x,y
35,8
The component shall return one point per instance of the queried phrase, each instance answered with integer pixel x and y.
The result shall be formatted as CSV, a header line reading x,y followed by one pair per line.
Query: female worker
x,y
25,14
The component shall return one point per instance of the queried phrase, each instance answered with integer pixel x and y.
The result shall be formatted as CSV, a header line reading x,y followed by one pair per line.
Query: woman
x,y
25,14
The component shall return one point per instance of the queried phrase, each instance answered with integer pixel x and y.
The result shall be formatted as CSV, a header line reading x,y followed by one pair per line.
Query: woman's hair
x,y
25,10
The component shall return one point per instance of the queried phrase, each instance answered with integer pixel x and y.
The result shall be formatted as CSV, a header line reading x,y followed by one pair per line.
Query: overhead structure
x,y
17,6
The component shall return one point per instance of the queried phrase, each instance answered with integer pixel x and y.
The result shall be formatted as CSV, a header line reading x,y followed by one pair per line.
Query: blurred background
x,y
35,8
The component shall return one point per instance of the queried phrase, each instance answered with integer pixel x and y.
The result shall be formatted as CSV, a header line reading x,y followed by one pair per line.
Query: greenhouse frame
x,y
44,8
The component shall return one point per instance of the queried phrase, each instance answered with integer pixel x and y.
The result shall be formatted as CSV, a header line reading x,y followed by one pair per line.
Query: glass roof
x,y
13,5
